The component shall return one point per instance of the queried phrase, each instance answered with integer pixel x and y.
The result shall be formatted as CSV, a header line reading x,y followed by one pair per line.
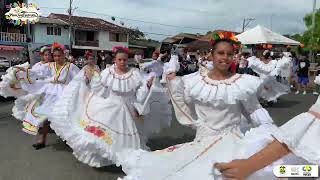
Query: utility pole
x,y
313,29
70,26
246,22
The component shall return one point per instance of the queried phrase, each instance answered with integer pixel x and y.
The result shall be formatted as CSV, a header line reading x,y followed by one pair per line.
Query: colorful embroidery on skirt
x,y
37,103
29,127
97,131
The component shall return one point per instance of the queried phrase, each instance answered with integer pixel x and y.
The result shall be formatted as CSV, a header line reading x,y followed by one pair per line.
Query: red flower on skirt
x,y
99,133
91,129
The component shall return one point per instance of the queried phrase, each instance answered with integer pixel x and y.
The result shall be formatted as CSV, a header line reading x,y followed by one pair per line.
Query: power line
x,y
159,34
53,8
135,20
147,22
145,32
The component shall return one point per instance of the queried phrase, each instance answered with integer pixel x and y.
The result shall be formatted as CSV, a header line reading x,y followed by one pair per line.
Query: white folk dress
x,y
155,67
169,67
272,89
19,110
158,100
285,65
46,84
214,108
99,121
10,83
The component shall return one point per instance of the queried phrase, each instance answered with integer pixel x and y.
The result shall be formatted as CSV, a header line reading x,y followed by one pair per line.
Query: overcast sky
x,y
190,16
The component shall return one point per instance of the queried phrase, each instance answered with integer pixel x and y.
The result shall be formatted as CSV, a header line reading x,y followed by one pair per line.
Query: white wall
x,y
40,35
106,44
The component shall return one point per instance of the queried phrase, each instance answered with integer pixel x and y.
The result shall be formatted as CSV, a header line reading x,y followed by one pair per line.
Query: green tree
x,y
312,43
135,34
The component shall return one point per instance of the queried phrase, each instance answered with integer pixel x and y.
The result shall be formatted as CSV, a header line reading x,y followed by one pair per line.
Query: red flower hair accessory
x,y
57,46
116,48
88,54
224,36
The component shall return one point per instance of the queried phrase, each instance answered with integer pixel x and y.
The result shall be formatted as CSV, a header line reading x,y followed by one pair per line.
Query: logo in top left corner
x,y
21,13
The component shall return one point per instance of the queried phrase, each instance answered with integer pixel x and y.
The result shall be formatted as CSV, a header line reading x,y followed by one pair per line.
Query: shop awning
x,y
262,35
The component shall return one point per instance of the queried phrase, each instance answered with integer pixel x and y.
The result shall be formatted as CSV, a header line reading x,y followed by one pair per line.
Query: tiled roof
x,y
46,20
87,23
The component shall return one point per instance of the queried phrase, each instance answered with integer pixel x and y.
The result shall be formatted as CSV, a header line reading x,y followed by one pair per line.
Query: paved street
x,y
18,160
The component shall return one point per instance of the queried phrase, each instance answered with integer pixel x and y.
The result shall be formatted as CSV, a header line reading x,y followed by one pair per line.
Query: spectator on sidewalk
x,y
294,69
303,75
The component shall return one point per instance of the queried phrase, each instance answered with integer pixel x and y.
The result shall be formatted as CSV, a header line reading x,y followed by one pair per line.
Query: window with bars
x,y
53,31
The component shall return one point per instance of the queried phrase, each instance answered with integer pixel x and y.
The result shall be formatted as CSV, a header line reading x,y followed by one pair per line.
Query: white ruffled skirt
x,y
34,108
195,160
97,128
94,127
10,84
272,90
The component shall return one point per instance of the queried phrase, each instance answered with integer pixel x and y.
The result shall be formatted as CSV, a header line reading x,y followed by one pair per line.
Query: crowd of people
x,y
295,73
106,115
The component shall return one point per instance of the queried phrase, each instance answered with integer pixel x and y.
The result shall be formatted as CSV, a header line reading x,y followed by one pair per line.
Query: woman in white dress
x,y
24,103
155,67
10,85
297,136
172,64
47,84
213,104
90,63
99,121
285,66
158,100
267,69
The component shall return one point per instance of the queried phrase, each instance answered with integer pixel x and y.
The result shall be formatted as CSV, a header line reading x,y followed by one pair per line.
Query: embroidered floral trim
x,y
127,75
29,127
28,76
136,133
212,82
96,131
58,73
35,105
17,77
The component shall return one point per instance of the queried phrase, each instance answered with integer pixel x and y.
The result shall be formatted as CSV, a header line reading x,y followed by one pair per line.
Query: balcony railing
x,y
12,37
87,43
